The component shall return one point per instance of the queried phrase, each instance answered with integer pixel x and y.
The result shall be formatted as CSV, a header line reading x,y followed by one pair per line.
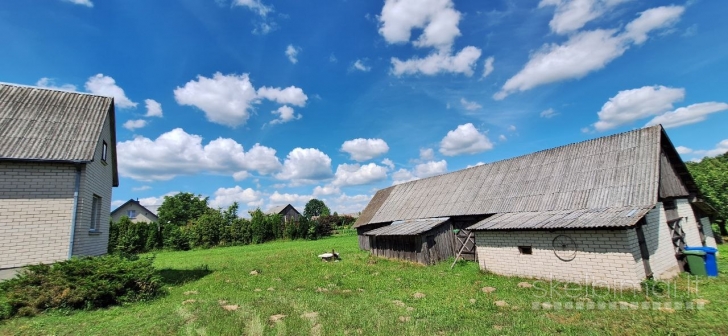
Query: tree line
x,y
711,176
186,221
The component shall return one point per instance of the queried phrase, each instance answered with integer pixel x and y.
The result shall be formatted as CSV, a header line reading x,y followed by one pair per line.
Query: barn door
x,y
678,239
464,238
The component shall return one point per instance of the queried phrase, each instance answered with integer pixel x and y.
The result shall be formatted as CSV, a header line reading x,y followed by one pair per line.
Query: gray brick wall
x,y
36,202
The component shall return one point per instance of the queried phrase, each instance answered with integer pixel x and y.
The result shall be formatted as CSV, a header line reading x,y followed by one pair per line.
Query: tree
x,y
315,207
711,176
182,208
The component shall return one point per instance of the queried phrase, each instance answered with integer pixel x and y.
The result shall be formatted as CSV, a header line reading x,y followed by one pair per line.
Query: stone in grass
x,y
404,319
488,289
257,290
418,295
472,301
524,285
230,307
398,303
191,292
361,289
270,289
254,272
501,303
276,318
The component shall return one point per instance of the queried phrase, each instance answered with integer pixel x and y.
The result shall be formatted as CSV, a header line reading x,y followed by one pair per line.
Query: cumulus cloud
x,y
388,163
465,139
427,154
229,99
356,174
135,124
470,105
282,199
720,149
178,153
359,65
688,115
502,138
86,3
437,19
631,105
326,190
683,150
572,15
488,66
364,149
49,83
422,170
587,51
256,6
106,86
440,62
548,113
305,165
285,114
154,109
292,53
345,204
225,197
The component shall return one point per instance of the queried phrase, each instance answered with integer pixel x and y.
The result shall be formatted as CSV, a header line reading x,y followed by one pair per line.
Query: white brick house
x,y
610,211
57,169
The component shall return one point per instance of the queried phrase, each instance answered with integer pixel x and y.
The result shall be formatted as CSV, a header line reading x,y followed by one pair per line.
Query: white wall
x,y
689,224
659,244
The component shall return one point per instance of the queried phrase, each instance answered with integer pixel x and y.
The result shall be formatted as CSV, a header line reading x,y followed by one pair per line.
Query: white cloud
x,y
106,86
306,165
49,83
290,95
254,5
631,105
477,164
225,99
154,109
179,153
345,204
285,114
263,28
86,3
225,197
356,174
427,154
134,124
437,19
470,105
388,163
488,66
364,149
720,149
422,170
688,115
512,128
326,190
228,99
241,175
502,138
283,199
465,139
359,65
586,51
651,19
292,53
571,15
402,176
440,62
683,150
141,188
548,113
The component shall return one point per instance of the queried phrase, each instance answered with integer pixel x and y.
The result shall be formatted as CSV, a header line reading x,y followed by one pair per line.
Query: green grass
x,y
359,298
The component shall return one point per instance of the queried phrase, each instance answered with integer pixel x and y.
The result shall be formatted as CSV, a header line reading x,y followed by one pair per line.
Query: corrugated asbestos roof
x,y
50,125
565,219
276,209
608,172
409,227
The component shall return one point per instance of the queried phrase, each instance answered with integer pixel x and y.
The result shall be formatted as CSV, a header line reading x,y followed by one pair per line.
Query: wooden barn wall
x,y
397,247
443,247
461,223
670,183
364,240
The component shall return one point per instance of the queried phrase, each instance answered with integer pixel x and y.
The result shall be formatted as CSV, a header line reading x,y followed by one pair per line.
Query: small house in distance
x,y
610,211
57,168
287,212
135,211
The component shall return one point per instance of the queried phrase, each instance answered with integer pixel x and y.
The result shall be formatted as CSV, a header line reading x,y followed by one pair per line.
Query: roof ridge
x,y
54,89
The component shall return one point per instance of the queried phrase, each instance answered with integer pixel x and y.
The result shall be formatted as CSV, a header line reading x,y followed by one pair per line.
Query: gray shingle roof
x,y
408,228
565,219
609,172
50,125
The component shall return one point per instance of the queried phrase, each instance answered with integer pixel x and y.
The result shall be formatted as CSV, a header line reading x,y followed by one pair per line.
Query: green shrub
x,y
83,283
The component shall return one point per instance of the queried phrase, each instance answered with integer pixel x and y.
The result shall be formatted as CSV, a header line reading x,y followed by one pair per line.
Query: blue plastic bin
x,y
711,264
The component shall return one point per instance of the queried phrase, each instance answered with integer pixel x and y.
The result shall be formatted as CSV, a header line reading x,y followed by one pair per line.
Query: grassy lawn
x,y
211,292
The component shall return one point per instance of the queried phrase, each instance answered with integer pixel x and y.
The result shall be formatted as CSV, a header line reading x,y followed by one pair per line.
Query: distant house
x,y
288,212
135,211
610,211
57,168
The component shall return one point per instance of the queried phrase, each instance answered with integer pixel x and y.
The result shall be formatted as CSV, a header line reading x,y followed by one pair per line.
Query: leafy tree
x,y
711,176
316,207
182,208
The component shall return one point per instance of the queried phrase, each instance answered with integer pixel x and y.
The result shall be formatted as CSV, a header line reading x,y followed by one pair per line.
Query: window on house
x,y
525,249
104,150
131,213
95,213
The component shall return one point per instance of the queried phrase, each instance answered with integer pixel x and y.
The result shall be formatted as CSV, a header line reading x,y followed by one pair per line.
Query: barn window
x,y
525,249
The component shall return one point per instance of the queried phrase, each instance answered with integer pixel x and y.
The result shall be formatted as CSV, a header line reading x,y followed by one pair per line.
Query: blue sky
x,y
268,103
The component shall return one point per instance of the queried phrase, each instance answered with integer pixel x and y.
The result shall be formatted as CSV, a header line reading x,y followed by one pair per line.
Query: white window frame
x,y
95,213
104,151
131,214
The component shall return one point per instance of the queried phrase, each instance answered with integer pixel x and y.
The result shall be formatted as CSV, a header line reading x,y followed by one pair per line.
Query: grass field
x,y
211,292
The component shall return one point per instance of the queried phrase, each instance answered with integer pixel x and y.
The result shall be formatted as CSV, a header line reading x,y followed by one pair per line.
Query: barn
x,y
610,211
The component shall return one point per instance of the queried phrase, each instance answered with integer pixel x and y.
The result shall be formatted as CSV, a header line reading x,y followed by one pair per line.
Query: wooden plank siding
x,y
364,240
427,248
